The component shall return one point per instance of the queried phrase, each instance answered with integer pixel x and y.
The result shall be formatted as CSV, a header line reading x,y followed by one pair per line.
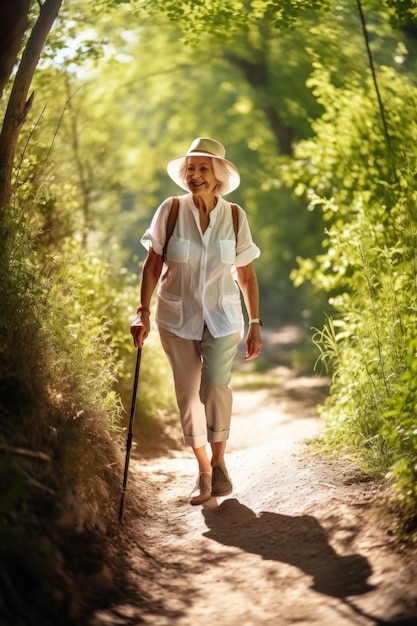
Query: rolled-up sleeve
x,y
154,236
246,250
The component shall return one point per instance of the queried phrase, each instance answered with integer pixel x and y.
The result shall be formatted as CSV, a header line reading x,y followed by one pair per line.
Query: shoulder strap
x,y
235,218
172,218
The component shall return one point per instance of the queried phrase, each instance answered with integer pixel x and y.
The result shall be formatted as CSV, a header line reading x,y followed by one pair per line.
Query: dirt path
x,y
298,542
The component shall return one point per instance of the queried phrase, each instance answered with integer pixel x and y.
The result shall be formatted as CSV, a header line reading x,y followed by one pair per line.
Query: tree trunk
x,y
13,24
18,105
256,75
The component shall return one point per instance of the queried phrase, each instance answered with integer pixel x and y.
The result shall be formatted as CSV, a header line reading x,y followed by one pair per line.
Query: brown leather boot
x,y
203,486
221,483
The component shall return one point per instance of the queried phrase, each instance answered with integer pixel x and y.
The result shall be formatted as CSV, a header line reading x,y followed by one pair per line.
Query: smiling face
x,y
199,175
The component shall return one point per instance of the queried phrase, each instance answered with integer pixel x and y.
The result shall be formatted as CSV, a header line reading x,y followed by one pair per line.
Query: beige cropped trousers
x,y
202,372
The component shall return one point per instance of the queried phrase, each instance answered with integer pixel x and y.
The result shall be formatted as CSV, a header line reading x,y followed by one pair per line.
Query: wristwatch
x,y
256,320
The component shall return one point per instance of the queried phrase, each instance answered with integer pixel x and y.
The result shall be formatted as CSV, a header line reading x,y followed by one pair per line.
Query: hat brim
x,y
175,165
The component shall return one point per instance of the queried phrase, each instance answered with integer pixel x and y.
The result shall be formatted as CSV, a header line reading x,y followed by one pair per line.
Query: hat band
x,y
205,152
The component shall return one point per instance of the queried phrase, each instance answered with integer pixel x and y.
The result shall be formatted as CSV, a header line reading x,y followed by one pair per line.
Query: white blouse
x,y
200,282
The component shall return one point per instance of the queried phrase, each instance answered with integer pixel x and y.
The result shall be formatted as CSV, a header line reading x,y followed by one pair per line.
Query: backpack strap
x,y
235,218
172,218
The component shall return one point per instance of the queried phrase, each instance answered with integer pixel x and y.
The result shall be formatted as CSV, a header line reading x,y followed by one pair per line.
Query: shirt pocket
x,y
169,309
178,250
227,251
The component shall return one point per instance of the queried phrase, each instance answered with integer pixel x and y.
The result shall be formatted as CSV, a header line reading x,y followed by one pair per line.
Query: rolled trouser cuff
x,y
195,442
219,435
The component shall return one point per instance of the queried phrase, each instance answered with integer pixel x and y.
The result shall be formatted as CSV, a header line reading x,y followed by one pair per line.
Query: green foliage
x,y
79,333
226,17
53,437
64,341
365,191
400,430
88,327
405,11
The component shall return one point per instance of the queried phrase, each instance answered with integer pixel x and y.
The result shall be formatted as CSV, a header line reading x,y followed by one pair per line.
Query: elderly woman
x,y
199,313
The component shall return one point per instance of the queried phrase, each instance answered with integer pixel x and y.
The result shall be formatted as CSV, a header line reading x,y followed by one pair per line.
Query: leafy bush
x,y
64,343
364,187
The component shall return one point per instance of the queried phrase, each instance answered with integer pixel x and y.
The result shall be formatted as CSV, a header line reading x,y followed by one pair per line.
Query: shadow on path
x,y
299,541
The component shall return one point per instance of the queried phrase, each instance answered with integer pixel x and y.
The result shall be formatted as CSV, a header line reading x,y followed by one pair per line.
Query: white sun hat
x,y
204,146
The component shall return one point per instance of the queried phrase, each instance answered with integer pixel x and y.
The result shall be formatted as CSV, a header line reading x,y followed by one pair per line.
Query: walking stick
x,y
130,432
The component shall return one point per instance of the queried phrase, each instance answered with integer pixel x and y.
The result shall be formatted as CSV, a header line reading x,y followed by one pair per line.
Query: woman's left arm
x,y
248,284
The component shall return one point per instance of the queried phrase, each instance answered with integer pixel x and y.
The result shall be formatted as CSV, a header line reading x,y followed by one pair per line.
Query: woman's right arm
x,y
151,273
